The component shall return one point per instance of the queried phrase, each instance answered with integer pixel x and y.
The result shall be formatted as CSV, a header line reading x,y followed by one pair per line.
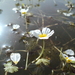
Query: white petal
x,y
16,26
58,11
24,10
72,58
69,52
64,55
42,37
67,14
31,33
15,9
15,57
45,30
35,33
51,33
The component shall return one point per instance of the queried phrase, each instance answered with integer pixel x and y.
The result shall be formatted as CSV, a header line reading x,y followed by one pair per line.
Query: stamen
x,y
68,60
24,12
15,62
43,35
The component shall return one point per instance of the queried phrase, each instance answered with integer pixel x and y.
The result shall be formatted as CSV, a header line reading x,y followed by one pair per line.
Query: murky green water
x,y
44,15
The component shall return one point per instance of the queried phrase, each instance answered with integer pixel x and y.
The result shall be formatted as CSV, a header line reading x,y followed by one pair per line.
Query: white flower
x,y
58,11
15,57
69,52
15,9
67,14
10,68
16,26
44,34
69,59
24,11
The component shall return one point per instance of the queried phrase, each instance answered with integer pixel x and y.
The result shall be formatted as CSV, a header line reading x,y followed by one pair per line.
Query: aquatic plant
x,y
35,43
43,61
68,56
9,68
23,11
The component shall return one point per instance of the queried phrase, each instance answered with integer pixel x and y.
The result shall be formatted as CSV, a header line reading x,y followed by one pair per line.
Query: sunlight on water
x,y
39,35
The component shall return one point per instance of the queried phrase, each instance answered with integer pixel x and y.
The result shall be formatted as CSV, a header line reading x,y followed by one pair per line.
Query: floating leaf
x,y
10,68
44,61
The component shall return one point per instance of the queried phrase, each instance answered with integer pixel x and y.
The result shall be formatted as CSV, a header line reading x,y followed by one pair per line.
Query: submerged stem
x,y
40,53
26,22
6,73
26,65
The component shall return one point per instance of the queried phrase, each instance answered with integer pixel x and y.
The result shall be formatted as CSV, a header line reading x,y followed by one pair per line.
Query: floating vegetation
x,y
43,61
43,45
10,68
65,13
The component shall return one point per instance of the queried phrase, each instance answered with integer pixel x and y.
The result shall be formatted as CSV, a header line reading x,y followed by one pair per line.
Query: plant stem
x,y
26,22
6,73
40,53
26,65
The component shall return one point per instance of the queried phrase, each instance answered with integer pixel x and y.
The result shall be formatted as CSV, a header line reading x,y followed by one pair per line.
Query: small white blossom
x,y
24,11
67,14
16,26
15,57
68,59
44,34
15,9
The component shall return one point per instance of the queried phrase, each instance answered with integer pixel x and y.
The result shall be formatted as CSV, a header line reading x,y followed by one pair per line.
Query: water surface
x,y
46,9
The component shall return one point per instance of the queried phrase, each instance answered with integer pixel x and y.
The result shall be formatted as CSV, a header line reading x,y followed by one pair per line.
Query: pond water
x,y
44,13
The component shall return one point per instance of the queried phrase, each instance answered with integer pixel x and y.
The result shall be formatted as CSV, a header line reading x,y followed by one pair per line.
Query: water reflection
x,y
42,13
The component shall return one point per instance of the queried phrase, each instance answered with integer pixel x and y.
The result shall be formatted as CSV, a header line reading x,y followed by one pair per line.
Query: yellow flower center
x,y
43,35
15,62
24,12
68,60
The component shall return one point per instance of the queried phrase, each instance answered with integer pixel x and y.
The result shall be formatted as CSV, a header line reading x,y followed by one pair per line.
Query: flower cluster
x,y
68,56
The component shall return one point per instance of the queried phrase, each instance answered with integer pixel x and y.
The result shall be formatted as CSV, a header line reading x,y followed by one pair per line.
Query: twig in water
x,y
57,49
27,61
67,32
68,42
